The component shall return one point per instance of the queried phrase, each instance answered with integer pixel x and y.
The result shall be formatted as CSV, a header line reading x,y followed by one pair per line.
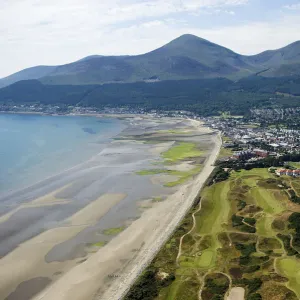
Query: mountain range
x,y
187,57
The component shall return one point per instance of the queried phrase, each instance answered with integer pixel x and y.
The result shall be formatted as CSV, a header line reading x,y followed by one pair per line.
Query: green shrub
x,y
236,220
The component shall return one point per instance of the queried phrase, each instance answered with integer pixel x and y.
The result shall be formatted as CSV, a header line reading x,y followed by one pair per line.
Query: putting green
x,y
206,260
290,267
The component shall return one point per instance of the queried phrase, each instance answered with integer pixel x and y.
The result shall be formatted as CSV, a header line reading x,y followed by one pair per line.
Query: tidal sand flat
x,y
74,235
109,272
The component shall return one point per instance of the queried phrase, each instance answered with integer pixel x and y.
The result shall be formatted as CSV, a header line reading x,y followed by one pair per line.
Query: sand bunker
x,y
236,293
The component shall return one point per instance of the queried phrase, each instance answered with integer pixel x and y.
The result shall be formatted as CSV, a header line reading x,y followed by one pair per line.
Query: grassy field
x,y
290,268
240,233
225,152
295,184
294,164
264,226
215,209
173,156
266,199
182,176
180,152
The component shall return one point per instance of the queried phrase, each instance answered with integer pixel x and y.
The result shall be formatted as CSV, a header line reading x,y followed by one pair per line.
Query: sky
x,y
54,32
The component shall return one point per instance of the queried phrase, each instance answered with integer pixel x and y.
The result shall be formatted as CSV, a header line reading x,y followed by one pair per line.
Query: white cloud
x,y
247,39
293,6
59,31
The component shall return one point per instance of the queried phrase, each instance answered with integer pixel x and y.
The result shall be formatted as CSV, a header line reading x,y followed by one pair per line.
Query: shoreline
x,y
53,177
137,245
97,115
120,291
78,258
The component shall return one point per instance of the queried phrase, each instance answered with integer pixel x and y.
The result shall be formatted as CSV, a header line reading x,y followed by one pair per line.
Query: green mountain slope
x,y
187,57
26,74
280,62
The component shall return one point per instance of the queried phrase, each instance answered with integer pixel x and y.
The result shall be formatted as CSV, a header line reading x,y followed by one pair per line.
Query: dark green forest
x,y
205,96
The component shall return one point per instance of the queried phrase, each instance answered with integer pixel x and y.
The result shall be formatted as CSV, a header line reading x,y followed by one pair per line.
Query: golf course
x,y
240,233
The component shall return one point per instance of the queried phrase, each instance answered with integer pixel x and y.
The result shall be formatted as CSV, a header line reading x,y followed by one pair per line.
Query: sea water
x,y
34,147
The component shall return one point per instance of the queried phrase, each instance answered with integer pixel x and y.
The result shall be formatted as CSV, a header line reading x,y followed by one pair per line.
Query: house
x,y
261,153
280,172
296,173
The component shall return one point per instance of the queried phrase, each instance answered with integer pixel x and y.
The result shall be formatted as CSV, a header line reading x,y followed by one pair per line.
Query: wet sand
x,y
51,230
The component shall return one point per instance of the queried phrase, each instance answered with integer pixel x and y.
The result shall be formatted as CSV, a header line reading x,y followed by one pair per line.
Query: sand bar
x,y
28,260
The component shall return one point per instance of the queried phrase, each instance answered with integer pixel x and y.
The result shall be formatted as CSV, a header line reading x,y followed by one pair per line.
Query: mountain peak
x,y
188,38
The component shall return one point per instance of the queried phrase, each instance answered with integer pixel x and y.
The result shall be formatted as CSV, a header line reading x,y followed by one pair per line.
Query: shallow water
x,y
33,147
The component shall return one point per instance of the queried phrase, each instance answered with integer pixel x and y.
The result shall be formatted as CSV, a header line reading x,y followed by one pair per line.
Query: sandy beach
x,y
88,237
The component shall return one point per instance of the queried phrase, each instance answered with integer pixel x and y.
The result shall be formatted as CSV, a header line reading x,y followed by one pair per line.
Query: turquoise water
x,y
34,147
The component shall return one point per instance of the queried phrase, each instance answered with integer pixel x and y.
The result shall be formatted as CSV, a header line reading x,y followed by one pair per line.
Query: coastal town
x,y
252,140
